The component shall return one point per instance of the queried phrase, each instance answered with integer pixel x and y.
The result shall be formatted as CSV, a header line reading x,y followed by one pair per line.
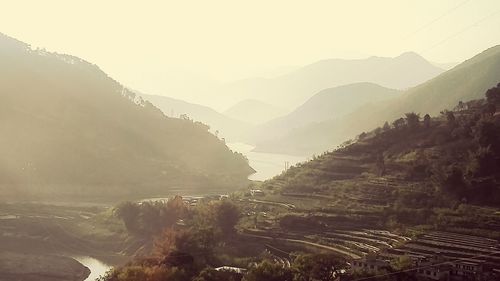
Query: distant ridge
x,y
254,111
468,80
291,90
331,103
225,126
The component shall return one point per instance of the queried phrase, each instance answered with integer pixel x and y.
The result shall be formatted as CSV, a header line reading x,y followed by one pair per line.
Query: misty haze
x,y
250,140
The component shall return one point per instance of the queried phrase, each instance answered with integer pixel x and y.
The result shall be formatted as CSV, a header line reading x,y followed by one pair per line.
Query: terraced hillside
x,y
419,187
452,246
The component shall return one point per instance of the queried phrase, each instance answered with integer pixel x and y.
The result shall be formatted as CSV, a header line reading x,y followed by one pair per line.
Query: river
x,y
266,165
97,267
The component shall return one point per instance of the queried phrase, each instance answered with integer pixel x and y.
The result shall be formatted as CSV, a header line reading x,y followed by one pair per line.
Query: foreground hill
x,y
227,127
293,89
469,80
413,172
67,128
332,103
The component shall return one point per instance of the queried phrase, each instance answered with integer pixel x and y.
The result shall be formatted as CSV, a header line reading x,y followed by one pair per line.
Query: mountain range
x,y
468,80
331,103
292,89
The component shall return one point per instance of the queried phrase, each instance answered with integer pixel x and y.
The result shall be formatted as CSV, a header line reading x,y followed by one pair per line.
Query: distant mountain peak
x,y
410,54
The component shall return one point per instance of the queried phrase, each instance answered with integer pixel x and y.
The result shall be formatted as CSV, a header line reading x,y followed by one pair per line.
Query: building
x,y
370,264
468,269
434,268
256,192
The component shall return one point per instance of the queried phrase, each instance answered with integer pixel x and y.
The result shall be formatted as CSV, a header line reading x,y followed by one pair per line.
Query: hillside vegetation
x,y
411,171
68,128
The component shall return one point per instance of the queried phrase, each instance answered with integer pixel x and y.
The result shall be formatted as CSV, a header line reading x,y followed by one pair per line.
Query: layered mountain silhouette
x,y
293,89
68,128
332,103
469,80
225,126
253,111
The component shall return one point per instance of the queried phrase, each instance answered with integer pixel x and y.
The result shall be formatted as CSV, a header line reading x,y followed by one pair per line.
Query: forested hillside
x,y
68,128
416,162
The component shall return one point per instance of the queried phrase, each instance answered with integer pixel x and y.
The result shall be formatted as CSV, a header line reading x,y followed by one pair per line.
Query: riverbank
x,y
33,231
266,165
31,267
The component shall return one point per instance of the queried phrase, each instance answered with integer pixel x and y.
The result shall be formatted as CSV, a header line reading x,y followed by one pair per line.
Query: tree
x,y
450,118
493,94
461,106
487,134
225,215
399,123
179,247
150,218
175,209
267,271
489,109
362,136
210,274
413,120
454,183
386,126
427,121
321,267
129,212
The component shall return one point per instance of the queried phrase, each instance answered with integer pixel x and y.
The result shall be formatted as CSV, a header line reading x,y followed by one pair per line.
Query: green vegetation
x,y
415,173
197,242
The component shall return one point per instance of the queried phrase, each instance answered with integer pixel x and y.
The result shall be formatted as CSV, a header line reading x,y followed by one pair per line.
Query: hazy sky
x,y
156,46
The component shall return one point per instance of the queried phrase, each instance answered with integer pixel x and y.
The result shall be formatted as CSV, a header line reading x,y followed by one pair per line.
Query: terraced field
x,y
452,246
348,243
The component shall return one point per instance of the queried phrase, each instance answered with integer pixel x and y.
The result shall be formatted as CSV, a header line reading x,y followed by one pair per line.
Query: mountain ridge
x,y
226,126
468,80
330,103
294,88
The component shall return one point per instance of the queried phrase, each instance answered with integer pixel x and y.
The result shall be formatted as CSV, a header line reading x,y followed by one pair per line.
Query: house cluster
x,y
256,192
436,267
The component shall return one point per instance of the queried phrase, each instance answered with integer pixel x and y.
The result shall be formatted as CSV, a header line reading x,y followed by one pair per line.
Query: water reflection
x,y
97,267
267,165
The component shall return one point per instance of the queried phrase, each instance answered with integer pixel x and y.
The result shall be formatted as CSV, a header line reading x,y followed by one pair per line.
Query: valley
x,y
250,141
